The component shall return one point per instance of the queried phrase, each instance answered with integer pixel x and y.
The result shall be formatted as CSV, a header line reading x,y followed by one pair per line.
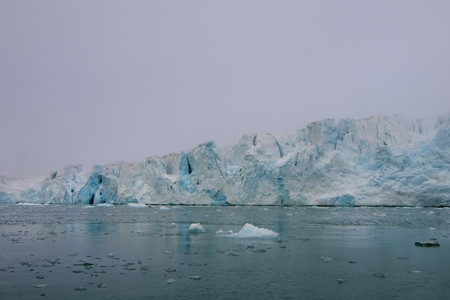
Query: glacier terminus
x,y
380,160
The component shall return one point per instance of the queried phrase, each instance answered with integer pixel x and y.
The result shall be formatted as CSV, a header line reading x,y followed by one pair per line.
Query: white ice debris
x,y
105,204
248,231
196,228
220,232
137,205
164,208
326,259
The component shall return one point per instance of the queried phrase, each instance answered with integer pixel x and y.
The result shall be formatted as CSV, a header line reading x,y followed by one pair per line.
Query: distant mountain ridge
x,y
380,160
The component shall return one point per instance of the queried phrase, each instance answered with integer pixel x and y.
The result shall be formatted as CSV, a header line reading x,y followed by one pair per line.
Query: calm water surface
x,y
122,252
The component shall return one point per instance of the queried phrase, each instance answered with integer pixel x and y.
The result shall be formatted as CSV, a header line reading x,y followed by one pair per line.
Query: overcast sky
x,y
90,82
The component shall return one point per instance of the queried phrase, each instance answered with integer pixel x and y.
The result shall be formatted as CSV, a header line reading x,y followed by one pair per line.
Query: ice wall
x,y
381,160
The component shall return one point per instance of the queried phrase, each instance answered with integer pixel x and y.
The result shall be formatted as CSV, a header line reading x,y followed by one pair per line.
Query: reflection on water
x,y
68,252
92,228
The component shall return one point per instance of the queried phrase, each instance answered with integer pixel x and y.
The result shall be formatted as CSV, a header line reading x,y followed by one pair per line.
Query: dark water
x,y
121,252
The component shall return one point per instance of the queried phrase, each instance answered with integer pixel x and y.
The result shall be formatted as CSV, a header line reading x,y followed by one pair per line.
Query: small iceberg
x,y
196,228
172,225
105,204
163,208
137,205
224,233
248,231
29,204
326,259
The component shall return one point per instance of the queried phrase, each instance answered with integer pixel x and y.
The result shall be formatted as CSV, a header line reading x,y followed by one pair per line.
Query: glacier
x,y
376,161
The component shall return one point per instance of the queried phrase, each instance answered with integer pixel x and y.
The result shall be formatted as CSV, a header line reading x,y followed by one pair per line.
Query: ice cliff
x,y
381,160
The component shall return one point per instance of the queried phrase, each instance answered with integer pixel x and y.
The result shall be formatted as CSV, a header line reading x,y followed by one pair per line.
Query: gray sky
x,y
90,82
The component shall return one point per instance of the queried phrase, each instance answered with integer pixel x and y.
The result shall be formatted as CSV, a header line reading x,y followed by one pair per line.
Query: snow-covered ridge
x,y
380,160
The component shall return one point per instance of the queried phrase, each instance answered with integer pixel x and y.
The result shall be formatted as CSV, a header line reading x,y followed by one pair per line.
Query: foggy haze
x,y
90,82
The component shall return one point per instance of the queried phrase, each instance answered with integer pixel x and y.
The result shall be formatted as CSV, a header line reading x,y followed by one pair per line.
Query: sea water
x,y
126,252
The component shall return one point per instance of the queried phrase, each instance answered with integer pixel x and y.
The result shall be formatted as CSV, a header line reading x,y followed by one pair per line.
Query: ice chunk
x,y
259,250
326,259
249,231
164,208
196,228
137,205
105,204
428,244
220,232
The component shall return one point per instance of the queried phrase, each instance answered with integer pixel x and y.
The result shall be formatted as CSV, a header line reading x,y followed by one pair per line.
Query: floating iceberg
x,y
248,231
220,232
380,160
196,228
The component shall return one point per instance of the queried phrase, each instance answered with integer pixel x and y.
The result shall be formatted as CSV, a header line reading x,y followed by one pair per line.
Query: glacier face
x,y
381,160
